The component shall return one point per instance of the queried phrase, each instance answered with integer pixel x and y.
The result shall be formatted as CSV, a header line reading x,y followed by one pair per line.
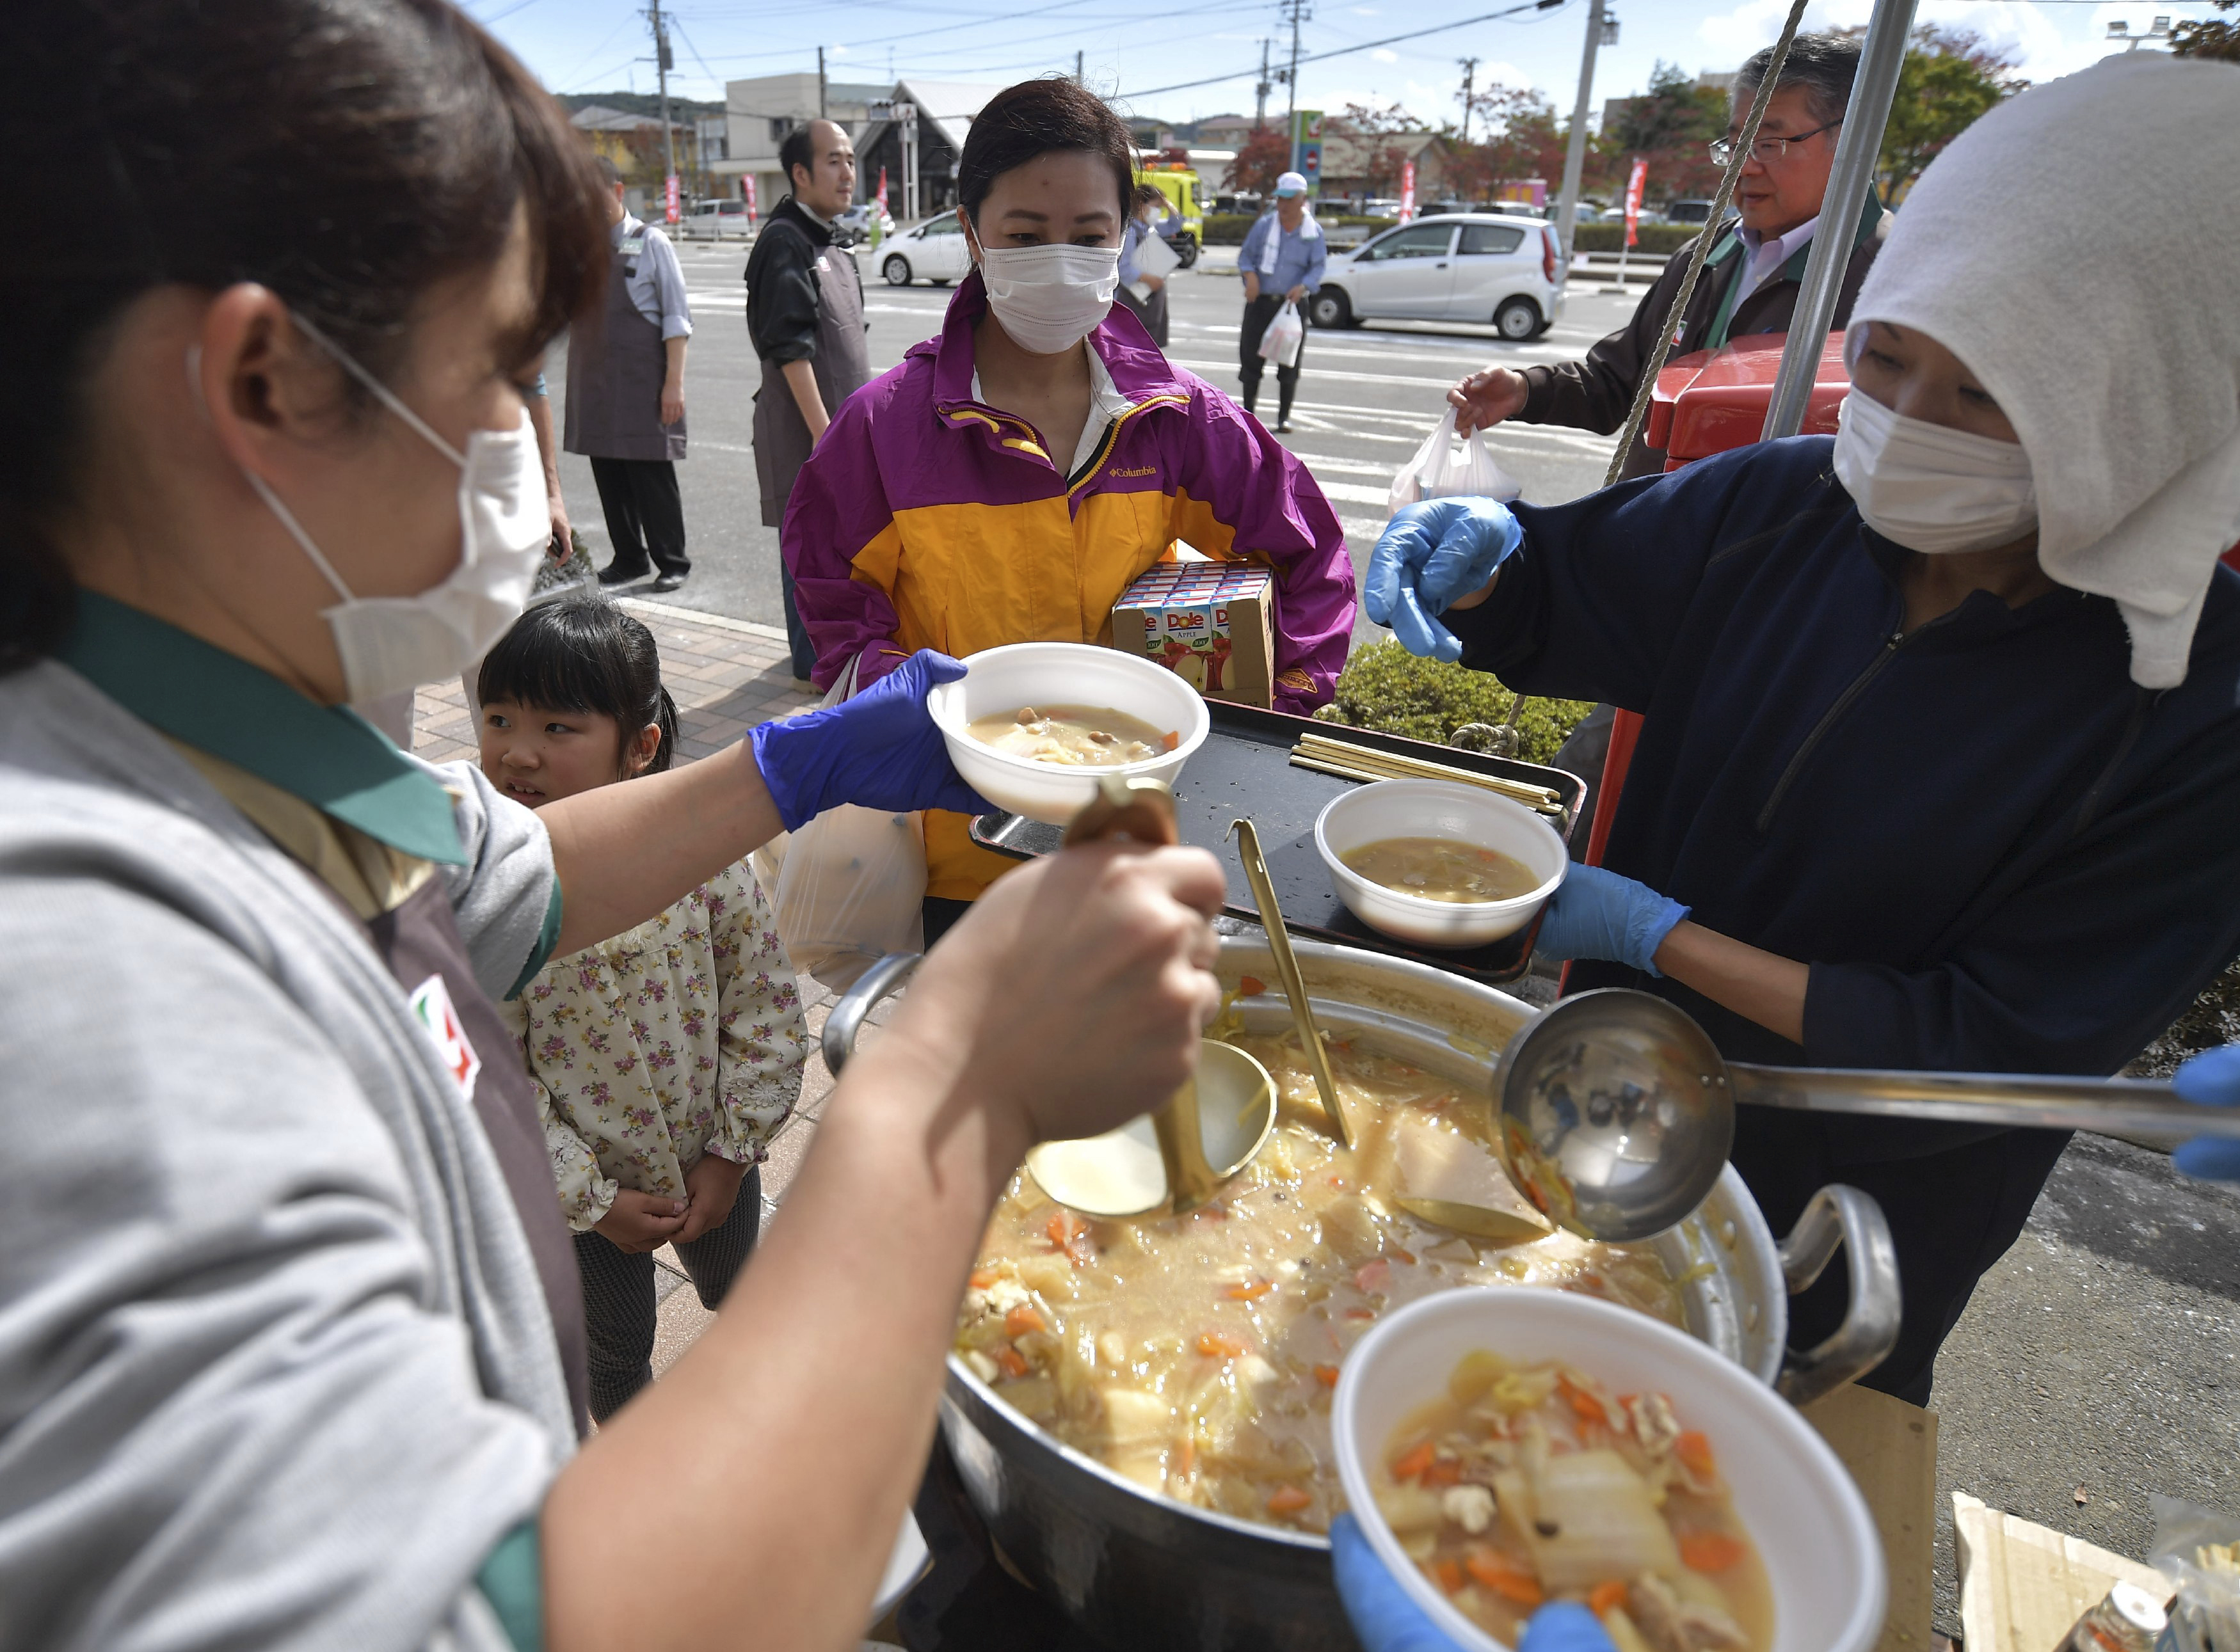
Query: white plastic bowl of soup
x,y
1439,861
1748,1514
1023,724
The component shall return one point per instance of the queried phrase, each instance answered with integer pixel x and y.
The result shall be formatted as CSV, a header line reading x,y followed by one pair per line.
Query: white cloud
x,y
1383,56
837,51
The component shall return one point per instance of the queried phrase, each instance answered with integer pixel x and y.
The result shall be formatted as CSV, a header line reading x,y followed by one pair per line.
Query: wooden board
x,y
1890,1448
2022,1586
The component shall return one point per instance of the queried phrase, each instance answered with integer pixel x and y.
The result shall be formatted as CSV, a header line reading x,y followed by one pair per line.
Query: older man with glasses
x,y
1751,278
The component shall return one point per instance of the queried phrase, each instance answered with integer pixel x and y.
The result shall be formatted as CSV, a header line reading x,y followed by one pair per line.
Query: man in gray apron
x,y
805,315
626,399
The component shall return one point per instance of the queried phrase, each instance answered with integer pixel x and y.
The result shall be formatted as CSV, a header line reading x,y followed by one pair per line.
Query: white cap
x,y
1291,184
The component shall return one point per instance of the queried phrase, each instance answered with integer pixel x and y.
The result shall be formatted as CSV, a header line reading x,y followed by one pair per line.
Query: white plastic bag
x,y
1442,466
1286,335
2196,1549
849,886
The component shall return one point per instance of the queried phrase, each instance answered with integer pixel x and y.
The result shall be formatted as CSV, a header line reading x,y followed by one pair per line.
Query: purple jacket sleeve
x,y
1243,492
838,510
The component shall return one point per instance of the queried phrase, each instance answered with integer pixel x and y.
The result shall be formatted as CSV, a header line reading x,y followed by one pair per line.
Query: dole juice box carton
x,y
1212,623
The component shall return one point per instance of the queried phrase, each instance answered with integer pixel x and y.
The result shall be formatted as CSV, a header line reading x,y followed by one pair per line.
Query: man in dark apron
x,y
626,400
805,315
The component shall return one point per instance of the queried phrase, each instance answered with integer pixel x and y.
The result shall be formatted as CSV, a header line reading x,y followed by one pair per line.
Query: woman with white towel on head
x,y
1941,764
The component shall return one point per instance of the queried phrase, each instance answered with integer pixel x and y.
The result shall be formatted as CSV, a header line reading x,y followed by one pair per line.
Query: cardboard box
x,y
2022,1586
1212,623
1890,1448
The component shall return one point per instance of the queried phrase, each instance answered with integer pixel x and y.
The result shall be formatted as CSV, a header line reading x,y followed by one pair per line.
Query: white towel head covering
x,y
1309,229
2075,249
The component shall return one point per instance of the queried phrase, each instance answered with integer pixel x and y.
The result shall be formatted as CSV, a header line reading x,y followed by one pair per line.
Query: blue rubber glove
x,y
879,750
1386,1620
1599,915
2211,1079
1429,554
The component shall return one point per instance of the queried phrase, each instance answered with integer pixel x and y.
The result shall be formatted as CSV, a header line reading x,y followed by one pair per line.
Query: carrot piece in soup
x,y
1709,1551
1447,1471
1327,1376
1289,1500
1172,738
983,1278
1606,1596
1693,1447
1411,1463
1214,1345
1013,1363
1494,1570
1251,986
1584,1405
1250,1290
1022,1319
1448,1574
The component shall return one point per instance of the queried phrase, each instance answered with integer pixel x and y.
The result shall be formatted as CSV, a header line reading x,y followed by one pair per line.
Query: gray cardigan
x,y
275,1369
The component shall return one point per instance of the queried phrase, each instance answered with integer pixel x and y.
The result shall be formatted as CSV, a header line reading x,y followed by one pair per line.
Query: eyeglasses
x,y
1769,150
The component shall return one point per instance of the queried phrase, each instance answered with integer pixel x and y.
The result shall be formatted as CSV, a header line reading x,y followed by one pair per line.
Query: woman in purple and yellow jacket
x,y
1013,476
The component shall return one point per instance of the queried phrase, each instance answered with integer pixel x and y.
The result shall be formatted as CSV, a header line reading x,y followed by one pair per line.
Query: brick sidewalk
x,y
725,676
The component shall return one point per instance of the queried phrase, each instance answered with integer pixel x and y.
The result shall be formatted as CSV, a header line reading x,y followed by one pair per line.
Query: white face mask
x,y
1928,487
391,643
1050,298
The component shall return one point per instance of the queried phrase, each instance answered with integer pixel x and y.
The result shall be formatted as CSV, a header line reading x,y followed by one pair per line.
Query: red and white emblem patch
x,y
432,1007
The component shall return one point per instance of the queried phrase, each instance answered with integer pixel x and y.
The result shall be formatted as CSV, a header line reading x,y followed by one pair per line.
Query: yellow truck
x,y
1179,183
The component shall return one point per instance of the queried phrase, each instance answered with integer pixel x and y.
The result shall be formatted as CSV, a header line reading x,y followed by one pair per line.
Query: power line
x,y
1415,34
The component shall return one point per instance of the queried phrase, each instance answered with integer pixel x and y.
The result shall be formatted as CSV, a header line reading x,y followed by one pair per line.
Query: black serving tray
x,y
1245,768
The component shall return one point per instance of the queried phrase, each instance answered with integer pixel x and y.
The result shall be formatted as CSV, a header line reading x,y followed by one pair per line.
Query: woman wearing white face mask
x,y
290,1335
1941,764
1013,476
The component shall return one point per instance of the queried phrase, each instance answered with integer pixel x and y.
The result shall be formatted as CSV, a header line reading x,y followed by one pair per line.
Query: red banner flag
x,y
1633,199
669,200
1407,191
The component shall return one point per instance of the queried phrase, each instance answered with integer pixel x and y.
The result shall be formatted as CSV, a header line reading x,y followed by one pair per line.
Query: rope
x,y
1647,389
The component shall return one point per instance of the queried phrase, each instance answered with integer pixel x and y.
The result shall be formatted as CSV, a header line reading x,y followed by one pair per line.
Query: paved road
x,y
2102,1354
1366,401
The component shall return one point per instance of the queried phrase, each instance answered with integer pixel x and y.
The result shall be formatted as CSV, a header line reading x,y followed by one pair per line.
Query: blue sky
x,y
1129,51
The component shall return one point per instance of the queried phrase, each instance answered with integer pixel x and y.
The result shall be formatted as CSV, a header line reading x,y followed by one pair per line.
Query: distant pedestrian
x,y
1153,215
626,398
805,316
1281,262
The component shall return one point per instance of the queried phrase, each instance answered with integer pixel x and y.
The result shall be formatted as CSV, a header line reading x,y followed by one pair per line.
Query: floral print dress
x,y
682,1036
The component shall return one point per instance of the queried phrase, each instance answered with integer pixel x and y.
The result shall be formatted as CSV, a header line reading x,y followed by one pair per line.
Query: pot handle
x,y
1840,1216
846,1022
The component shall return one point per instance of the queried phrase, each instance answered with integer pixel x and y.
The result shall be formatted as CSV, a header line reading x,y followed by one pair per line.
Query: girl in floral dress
x,y
668,1057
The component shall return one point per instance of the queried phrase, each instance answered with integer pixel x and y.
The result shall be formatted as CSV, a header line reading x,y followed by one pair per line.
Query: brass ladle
x,y
1287,969
1179,1156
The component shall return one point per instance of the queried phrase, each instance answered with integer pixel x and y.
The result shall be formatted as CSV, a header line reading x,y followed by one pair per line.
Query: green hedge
x,y
1649,238
1227,228
1385,687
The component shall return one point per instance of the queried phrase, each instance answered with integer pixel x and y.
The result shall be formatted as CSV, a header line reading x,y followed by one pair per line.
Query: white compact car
x,y
1472,266
716,221
932,251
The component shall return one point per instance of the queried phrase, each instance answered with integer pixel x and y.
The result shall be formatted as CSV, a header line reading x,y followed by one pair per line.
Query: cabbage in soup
x,y
1196,1354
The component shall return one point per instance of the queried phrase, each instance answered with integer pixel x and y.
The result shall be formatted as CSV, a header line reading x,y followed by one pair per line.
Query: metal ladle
x,y
1618,1111
1180,1155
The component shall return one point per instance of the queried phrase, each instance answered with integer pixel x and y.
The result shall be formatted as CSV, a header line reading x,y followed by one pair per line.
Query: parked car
x,y
720,220
1688,212
932,251
1475,266
857,220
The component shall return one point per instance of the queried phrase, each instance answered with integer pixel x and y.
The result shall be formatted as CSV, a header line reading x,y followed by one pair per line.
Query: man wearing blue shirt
x,y
1282,261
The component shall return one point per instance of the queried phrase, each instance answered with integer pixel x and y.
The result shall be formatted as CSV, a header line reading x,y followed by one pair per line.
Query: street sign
x,y
1407,191
1307,148
669,199
1633,184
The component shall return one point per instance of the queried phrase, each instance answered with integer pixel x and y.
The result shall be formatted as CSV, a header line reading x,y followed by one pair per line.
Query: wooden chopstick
x,y
1500,788
1391,765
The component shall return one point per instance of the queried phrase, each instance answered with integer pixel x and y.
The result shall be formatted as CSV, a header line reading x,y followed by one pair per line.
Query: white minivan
x,y
932,251
717,220
1472,266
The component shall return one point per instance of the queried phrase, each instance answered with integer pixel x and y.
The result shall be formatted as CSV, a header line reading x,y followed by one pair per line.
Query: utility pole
x,y
820,83
1260,91
660,63
1469,79
1574,153
1296,11
1076,68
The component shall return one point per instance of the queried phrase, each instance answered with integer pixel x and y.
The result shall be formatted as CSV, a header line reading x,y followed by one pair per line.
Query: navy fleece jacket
x,y
1994,850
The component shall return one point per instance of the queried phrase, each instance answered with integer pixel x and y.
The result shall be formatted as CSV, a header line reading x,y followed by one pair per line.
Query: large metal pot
x,y
1137,1571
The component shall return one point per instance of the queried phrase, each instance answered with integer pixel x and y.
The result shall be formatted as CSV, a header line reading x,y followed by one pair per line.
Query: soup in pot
x,y
1442,869
1196,1354
1529,1484
1078,735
